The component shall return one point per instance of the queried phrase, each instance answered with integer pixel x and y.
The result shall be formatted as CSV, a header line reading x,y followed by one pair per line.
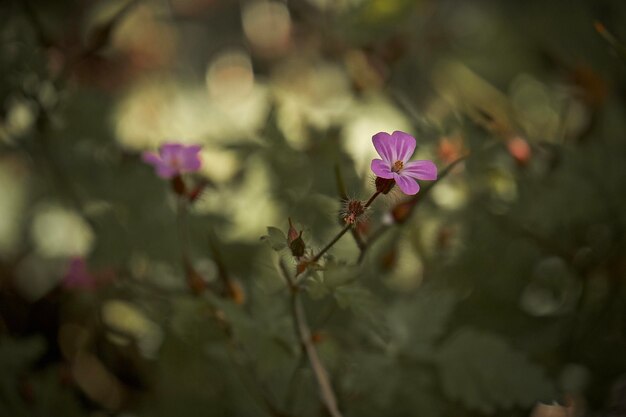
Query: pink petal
x,y
165,171
383,142
407,185
168,151
381,169
421,170
191,158
151,158
404,145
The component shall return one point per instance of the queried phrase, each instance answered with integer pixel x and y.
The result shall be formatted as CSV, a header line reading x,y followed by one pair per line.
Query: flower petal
x,y
381,169
151,158
421,170
190,158
407,184
383,143
168,151
404,145
165,171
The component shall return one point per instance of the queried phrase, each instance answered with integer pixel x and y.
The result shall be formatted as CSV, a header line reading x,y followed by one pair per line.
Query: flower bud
x,y
384,185
297,246
401,212
353,210
292,233
295,241
195,281
236,292
520,150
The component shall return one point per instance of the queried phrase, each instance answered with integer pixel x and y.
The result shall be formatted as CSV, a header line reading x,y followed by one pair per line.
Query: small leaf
x,y
484,373
275,238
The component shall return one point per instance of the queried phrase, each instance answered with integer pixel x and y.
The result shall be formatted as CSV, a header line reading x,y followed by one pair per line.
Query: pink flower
x,y
77,276
396,150
174,159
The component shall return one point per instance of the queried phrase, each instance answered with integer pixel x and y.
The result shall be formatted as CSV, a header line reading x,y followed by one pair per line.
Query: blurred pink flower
x,y
396,150
174,159
78,277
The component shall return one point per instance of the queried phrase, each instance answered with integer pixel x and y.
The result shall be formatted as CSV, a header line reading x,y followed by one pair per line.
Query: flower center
x,y
397,166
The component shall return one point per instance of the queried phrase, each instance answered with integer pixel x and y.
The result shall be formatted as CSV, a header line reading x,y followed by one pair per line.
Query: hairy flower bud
x,y
352,211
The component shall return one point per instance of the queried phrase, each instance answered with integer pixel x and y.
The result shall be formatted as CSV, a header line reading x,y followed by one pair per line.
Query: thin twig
x,y
301,328
331,243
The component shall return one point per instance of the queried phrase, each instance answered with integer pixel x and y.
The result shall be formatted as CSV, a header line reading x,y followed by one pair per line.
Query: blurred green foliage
x,y
504,287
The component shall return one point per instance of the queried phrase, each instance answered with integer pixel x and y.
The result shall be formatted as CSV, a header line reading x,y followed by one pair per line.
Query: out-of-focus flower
x,y
396,150
450,148
174,159
77,275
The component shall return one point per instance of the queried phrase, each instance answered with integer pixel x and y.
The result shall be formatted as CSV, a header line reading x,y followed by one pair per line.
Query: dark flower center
x,y
397,166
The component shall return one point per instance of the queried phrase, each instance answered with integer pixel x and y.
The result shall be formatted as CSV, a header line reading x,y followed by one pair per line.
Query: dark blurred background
x,y
501,294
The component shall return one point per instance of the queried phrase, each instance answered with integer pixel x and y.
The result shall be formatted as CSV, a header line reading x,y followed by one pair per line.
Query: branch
x,y
303,332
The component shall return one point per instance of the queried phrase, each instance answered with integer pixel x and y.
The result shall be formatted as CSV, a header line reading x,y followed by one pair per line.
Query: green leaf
x,y
275,238
484,373
365,306
16,355
354,297
417,324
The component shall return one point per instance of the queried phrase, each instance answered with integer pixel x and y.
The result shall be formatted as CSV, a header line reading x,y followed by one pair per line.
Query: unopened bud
x,y
292,233
384,185
195,281
401,212
519,150
236,292
297,246
295,241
